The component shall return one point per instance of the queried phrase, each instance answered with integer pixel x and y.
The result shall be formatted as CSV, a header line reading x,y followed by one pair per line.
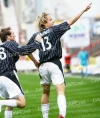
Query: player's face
x,y
82,48
49,23
12,36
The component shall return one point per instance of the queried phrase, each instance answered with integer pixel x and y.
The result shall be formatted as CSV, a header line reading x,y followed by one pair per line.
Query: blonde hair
x,y
41,20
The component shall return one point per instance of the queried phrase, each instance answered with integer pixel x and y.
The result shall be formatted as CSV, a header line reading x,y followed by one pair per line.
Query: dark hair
x,y
4,33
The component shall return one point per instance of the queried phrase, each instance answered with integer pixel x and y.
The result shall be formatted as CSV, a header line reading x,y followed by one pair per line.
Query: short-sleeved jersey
x,y
50,45
9,54
83,56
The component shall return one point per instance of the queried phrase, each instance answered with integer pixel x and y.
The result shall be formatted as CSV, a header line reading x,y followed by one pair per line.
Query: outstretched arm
x,y
21,50
72,20
34,60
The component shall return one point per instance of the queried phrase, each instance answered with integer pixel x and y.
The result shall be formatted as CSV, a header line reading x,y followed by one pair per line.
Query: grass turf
x,y
83,98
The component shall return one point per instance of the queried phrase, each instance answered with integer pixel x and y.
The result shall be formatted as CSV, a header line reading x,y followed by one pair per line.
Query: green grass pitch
x,y
83,98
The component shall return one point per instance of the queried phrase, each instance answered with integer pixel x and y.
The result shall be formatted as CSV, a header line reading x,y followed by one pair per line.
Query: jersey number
x,y
2,53
48,43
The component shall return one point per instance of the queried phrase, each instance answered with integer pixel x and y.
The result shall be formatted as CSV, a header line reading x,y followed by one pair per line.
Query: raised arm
x,y
72,20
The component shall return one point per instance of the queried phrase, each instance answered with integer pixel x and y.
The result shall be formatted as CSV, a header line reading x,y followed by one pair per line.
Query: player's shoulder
x,y
80,53
13,42
35,34
32,39
10,43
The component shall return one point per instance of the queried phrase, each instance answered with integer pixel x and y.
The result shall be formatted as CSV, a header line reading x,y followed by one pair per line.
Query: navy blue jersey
x,y
9,54
50,45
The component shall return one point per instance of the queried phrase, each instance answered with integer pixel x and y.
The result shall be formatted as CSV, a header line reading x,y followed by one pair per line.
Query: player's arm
x,y
34,60
36,37
72,20
78,58
87,56
21,50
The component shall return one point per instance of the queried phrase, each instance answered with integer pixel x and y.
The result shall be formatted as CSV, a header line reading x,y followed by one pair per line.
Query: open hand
x,y
36,64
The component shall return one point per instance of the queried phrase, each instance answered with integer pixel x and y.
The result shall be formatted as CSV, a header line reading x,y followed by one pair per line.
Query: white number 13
x,y
48,43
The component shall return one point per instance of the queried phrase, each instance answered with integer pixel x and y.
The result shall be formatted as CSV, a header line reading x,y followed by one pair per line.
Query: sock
x,y
61,101
86,73
9,103
45,110
82,73
8,114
